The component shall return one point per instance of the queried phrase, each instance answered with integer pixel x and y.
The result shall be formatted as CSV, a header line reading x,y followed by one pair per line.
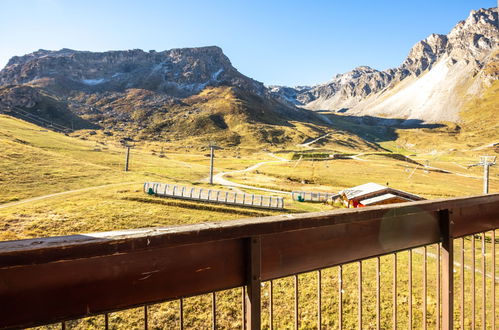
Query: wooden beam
x,y
253,287
62,278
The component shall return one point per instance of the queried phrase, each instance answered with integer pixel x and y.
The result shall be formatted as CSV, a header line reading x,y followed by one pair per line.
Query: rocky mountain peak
x,y
177,72
470,43
424,53
473,38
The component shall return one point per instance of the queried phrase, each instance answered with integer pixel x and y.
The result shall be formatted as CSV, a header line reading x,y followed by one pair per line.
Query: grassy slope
x,y
334,175
35,162
127,207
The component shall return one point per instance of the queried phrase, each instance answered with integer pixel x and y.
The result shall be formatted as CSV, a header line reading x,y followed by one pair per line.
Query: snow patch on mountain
x,y
93,82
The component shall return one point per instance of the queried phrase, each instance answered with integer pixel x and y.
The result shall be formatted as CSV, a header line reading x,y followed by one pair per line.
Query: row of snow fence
x,y
312,196
213,196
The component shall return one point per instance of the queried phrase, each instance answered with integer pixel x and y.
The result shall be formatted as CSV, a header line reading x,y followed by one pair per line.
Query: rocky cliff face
x,y
177,72
450,61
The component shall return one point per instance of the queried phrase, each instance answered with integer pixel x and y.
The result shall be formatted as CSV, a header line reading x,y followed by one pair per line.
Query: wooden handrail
x,y
61,278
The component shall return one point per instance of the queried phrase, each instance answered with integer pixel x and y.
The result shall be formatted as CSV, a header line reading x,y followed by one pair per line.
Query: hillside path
x,y
219,177
307,144
33,199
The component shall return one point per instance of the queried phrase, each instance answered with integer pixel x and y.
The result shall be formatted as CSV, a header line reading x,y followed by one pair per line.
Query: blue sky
x,y
276,42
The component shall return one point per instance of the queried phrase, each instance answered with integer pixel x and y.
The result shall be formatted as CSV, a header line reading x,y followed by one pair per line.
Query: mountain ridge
x,y
362,90
175,92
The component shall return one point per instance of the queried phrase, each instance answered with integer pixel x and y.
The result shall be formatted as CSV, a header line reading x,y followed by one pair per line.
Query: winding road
x,y
219,177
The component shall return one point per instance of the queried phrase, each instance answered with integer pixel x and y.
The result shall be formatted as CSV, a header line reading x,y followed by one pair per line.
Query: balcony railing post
x,y
447,270
253,285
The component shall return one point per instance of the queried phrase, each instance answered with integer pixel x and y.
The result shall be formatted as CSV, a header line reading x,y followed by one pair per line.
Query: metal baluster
x,y
271,304
493,279
243,291
319,298
378,294
297,321
214,310
410,289
146,322
340,297
106,321
438,287
473,297
484,284
462,282
359,302
425,290
394,291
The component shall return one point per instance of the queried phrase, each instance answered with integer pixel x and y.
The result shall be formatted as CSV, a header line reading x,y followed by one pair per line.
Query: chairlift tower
x,y
125,143
486,162
213,147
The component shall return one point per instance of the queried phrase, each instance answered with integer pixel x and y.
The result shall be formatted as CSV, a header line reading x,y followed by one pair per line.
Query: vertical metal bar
x,y
63,325
271,305
181,305
410,289
214,310
447,270
462,282
378,295
493,279
297,321
146,322
473,294
438,287
425,289
319,298
394,291
484,284
243,291
359,303
253,287
340,297
106,321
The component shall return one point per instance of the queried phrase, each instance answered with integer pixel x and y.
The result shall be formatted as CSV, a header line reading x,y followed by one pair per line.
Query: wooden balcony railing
x,y
57,279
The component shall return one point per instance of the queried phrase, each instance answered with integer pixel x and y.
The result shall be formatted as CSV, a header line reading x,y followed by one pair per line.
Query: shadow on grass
x,y
374,129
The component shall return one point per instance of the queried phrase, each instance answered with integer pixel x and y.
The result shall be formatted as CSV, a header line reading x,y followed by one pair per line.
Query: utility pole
x,y
486,162
127,158
212,154
213,147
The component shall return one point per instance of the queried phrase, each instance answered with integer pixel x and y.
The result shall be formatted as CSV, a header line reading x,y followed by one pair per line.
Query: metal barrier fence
x,y
214,196
312,196
408,265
